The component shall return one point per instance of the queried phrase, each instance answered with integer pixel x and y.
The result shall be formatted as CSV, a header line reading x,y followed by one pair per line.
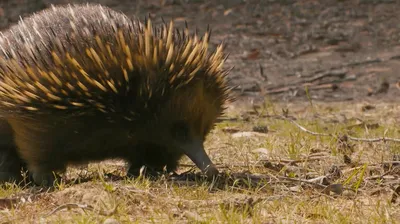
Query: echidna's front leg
x,y
10,162
156,160
43,178
35,145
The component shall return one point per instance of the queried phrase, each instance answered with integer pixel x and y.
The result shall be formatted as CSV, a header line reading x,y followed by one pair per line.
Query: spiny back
x,y
76,57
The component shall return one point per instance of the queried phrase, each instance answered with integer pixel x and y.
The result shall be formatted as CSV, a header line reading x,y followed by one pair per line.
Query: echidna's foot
x,y
135,171
46,179
211,171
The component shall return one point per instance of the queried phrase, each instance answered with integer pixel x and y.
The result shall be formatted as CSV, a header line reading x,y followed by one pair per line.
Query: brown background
x,y
341,50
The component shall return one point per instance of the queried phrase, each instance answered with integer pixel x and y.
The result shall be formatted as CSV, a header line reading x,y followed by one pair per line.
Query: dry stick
x,y
306,130
301,181
384,139
339,71
302,160
307,159
83,207
329,187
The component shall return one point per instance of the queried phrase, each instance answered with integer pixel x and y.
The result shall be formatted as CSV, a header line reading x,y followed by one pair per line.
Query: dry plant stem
x,y
306,130
380,139
321,186
201,202
83,207
307,159
302,181
338,71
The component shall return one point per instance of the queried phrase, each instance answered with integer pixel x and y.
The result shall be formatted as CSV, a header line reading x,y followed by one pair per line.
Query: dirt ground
x,y
334,50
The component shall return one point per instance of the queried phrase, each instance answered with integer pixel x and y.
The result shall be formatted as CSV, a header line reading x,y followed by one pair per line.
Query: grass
x,y
282,162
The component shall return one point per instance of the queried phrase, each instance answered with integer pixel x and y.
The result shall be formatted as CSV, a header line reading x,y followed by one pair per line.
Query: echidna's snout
x,y
195,151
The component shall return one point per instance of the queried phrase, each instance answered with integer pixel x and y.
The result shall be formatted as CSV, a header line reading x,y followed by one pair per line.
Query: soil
x,y
286,50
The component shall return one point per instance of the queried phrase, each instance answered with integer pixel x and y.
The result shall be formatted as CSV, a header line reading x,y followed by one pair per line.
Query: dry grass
x,y
268,177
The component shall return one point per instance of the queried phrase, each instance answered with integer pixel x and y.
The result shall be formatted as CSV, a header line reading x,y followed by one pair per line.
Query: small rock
x,y
260,128
335,188
248,134
110,221
230,130
348,193
263,151
367,107
295,189
334,173
193,216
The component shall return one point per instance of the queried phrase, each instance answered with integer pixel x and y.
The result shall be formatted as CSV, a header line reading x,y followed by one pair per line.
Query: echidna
x,y
83,83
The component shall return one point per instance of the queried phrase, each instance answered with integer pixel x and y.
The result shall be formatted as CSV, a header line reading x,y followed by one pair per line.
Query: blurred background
x,y
282,50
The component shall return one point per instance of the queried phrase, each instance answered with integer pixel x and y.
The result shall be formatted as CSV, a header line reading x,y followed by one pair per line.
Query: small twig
x,y
386,163
335,72
322,186
83,207
280,90
306,130
372,165
332,86
379,176
364,62
301,181
293,88
137,191
350,64
69,206
302,160
262,73
380,139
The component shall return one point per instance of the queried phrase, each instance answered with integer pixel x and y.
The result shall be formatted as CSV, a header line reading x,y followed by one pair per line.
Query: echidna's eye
x,y
180,131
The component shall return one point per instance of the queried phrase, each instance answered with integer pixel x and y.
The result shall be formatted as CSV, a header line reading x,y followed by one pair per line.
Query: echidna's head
x,y
186,91
183,121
